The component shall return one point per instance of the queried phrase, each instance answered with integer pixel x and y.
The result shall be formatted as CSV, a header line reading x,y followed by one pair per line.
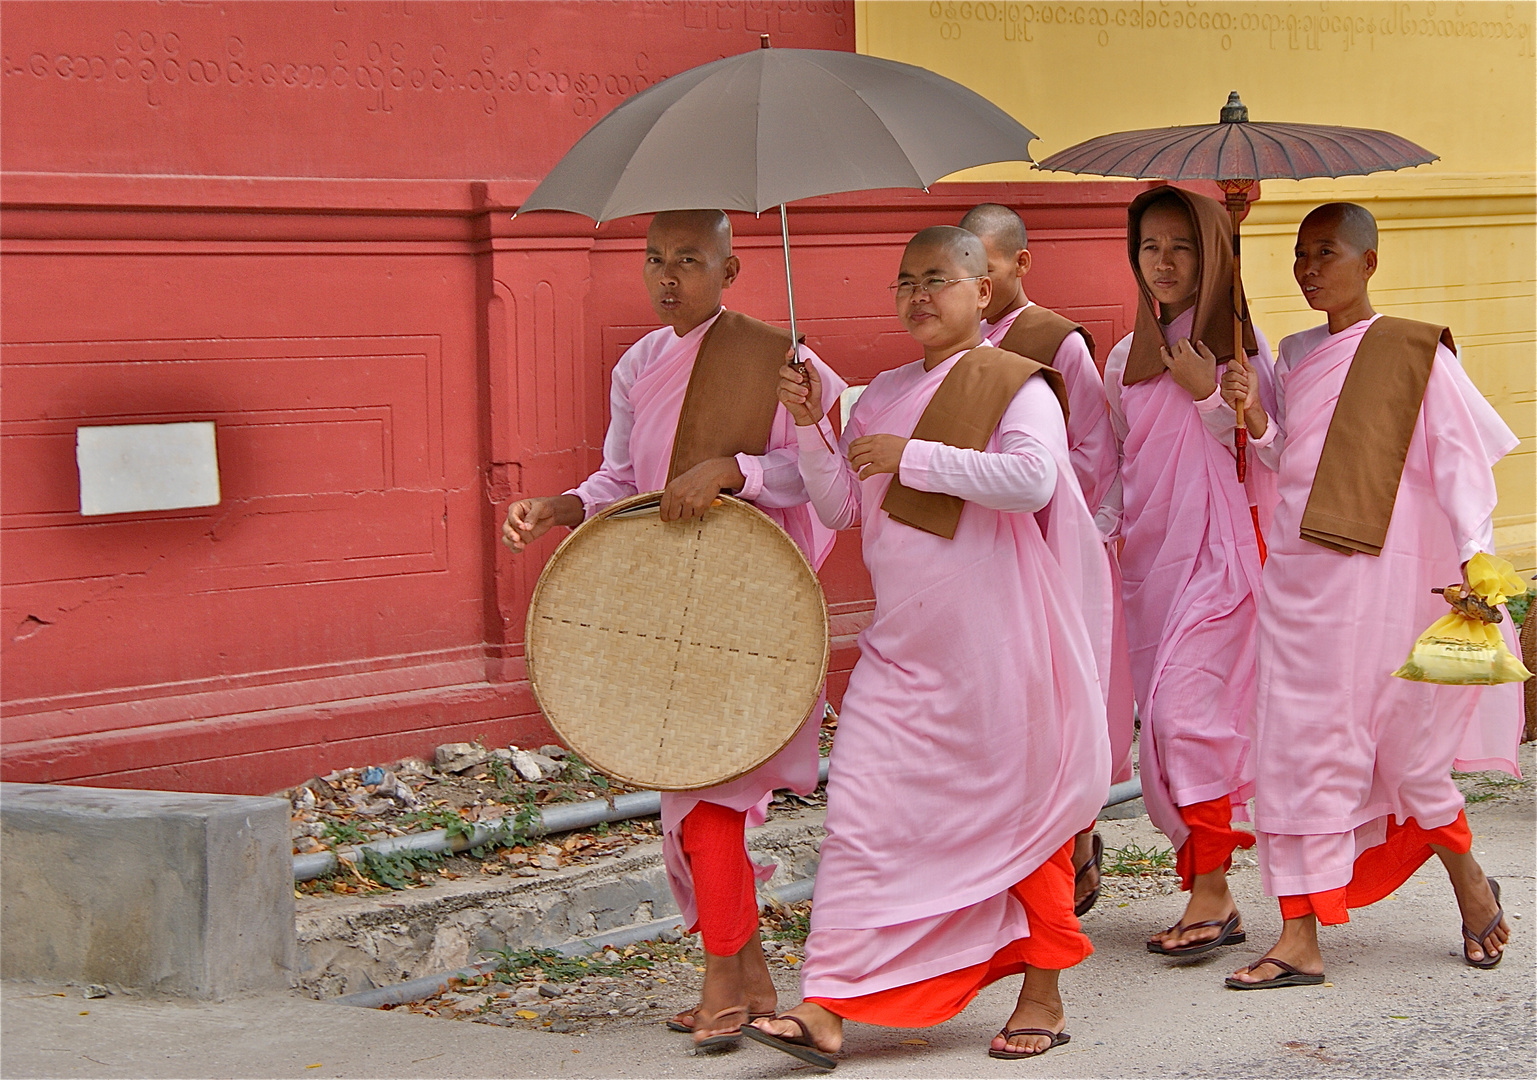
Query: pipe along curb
x,y
792,892
555,819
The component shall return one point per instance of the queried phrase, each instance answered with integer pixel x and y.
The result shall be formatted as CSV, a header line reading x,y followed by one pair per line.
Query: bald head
x,y
998,226
688,264
957,246
711,228
1351,224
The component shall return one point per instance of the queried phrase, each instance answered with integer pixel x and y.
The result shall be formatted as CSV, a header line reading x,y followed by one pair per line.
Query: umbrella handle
x,y
1237,202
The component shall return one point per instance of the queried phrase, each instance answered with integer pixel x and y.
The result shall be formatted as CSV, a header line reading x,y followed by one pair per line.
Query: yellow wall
x,y
1459,78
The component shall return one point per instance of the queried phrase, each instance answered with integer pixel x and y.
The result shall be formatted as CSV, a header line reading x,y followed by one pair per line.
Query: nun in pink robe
x,y
1092,449
1347,754
645,401
1190,565
972,744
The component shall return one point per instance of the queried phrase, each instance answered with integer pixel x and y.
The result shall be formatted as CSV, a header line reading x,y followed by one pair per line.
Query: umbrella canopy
x,y
1237,148
767,127
1236,152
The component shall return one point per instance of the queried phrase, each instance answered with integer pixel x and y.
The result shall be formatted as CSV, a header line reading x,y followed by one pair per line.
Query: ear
x,y
1369,260
732,268
984,293
1022,261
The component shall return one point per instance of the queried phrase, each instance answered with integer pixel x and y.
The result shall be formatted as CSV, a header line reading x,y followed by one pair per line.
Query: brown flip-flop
x,y
677,1023
801,1047
1081,908
1229,933
1057,1039
1499,915
1289,976
726,1037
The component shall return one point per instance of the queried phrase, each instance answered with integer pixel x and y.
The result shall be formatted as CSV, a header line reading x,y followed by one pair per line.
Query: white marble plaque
x,y
128,468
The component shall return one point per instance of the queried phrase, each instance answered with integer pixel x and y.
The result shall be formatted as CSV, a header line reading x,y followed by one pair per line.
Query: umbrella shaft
x,y
784,232
1241,432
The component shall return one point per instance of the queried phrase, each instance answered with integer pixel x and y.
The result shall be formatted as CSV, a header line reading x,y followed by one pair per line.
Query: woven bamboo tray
x,y
677,655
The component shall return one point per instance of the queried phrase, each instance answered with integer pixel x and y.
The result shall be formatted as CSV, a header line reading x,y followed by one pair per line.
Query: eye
x,y
934,283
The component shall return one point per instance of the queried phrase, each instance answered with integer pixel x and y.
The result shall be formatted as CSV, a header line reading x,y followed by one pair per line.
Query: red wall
x,y
331,273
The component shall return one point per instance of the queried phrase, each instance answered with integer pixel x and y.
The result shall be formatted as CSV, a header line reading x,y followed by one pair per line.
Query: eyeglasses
x,y
906,290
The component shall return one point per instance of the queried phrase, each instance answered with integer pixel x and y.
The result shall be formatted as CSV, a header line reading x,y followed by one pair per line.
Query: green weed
x,y
398,869
342,834
1518,606
1131,860
513,965
788,923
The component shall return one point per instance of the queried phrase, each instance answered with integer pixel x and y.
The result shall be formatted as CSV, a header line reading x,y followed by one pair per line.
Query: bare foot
x,y
1476,902
1039,1006
1085,881
1298,947
825,1028
1210,901
726,996
746,974
718,1026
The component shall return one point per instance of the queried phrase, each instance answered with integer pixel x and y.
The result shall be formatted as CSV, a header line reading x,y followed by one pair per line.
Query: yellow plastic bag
x,y
1458,650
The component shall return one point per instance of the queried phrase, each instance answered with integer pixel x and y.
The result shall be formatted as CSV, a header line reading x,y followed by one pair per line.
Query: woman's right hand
x,y
801,394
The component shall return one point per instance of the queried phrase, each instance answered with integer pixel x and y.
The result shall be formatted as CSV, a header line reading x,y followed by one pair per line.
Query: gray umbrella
x,y
770,126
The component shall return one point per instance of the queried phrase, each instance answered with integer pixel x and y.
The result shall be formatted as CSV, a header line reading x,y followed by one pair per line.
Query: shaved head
x,y
711,227
1352,222
961,247
999,226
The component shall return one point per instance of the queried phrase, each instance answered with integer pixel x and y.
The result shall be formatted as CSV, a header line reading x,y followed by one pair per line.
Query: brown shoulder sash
x,y
1037,333
1351,502
965,412
733,391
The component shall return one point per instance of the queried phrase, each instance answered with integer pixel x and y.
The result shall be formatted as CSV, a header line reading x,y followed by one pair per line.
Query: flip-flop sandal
x,y
728,1037
1289,976
1487,962
1057,1039
1229,933
801,1047
1081,908
676,1023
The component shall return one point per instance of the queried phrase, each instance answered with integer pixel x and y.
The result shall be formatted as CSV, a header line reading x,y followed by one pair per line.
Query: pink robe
x,y
1340,743
645,400
1190,570
972,740
1092,449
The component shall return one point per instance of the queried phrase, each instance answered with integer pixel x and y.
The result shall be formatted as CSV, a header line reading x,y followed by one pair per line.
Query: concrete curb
x,y
424,987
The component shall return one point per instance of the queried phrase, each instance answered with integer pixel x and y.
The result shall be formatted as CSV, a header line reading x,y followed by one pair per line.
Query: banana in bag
x,y
1464,647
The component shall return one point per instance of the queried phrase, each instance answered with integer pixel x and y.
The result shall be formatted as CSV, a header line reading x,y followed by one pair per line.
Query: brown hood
x,y
1214,295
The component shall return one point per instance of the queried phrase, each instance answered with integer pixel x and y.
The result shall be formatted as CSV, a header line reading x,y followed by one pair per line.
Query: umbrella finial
x,y
763,41
1235,111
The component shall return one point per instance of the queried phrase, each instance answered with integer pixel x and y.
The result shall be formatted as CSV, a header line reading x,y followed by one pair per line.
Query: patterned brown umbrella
x,y
1235,153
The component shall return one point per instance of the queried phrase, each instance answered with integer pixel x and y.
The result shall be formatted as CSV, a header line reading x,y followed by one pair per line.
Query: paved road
x,y
1399,1002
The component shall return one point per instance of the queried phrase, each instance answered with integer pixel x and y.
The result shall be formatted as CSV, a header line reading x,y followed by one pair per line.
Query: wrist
x,y
568,510
731,476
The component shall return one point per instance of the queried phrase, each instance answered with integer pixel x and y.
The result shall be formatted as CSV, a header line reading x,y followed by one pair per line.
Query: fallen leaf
x,y
86,1012
526,1014
317,1065
915,1042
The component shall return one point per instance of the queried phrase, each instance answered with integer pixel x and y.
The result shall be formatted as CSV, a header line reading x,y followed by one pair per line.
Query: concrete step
x,y
352,944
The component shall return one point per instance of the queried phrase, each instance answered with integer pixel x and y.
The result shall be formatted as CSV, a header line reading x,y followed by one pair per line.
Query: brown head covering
x,y
1214,294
